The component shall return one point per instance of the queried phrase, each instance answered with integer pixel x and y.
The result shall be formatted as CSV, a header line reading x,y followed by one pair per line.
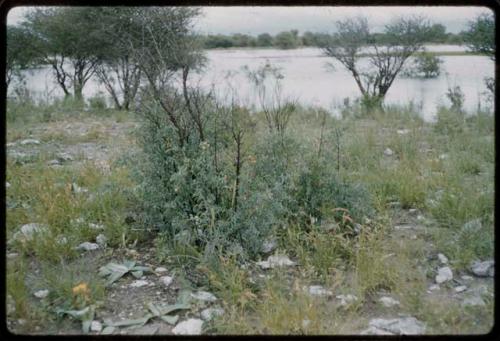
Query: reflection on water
x,y
317,80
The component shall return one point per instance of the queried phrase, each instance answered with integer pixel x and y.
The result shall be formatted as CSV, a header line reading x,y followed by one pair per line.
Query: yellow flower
x,y
82,290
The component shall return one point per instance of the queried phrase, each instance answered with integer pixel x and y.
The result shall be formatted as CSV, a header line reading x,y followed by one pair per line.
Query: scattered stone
x,y
460,288
12,255
54,163
62,240
41,293
166,280
204,296
10,144
96,226
161,269
275,261
420,217
138,283
467,278
28,231
388,152
473,225
101,240
209,313
269,246
77,189
88,246
305,323
21,322
188,327
64,157
388,301
96,326
406,227
473,301
346,299
434,287
444,275
412,210
399,326
483,269
403,131
442,258
375,331
29,141
7,184
443,156
318,290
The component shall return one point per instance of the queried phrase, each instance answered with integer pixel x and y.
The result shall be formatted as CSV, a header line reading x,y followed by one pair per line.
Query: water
x,y
317,80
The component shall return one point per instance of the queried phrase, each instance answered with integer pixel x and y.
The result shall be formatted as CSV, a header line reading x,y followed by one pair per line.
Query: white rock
x,y
346,299
209,313
166,280
375,331
204,296
444,274
467,278
443,156
7,184
53,163
28,231
138,283
276,261
403,131
160,269
388,301
269,246
318,290
388,152
412,210
95,226
188,327
29,141
95,326
11,144
41,293
305,323
434,287
400,326
88,246
442,258
460,288
482,269
63,157
78,189
101,240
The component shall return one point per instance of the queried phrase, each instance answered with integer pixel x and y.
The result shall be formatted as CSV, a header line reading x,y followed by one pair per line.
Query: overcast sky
x,y
256,20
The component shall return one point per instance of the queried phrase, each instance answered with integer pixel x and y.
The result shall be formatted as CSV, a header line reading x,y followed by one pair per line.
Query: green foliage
x,y
449,121
425,65
287,40
480,35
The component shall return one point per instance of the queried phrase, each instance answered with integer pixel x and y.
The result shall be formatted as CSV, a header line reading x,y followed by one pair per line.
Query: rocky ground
x,y
70,143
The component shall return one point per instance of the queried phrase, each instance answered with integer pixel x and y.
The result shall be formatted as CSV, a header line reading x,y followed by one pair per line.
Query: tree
x,y
68,39
118,70
480,36
264,39
403,37
286,40
19,56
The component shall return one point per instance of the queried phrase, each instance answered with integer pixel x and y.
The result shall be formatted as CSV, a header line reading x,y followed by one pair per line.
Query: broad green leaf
x,y
108,330
142,268
141,321
86,326
184,296
76,313
153,309
170,308
170,319
114,277
129,264
137,274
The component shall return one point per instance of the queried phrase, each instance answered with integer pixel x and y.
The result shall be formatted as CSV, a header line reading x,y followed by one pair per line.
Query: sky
x,y
274,19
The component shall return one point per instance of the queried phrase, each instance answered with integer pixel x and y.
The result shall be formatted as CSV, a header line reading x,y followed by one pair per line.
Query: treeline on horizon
x,y
293,39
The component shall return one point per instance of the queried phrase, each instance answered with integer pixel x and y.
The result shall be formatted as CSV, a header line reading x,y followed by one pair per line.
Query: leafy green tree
x,y
404,37
69,40
264,39
480,36
118,70
286,40
19,55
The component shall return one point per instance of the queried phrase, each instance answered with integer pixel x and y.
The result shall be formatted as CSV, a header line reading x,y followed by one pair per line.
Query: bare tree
x,y
403,37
